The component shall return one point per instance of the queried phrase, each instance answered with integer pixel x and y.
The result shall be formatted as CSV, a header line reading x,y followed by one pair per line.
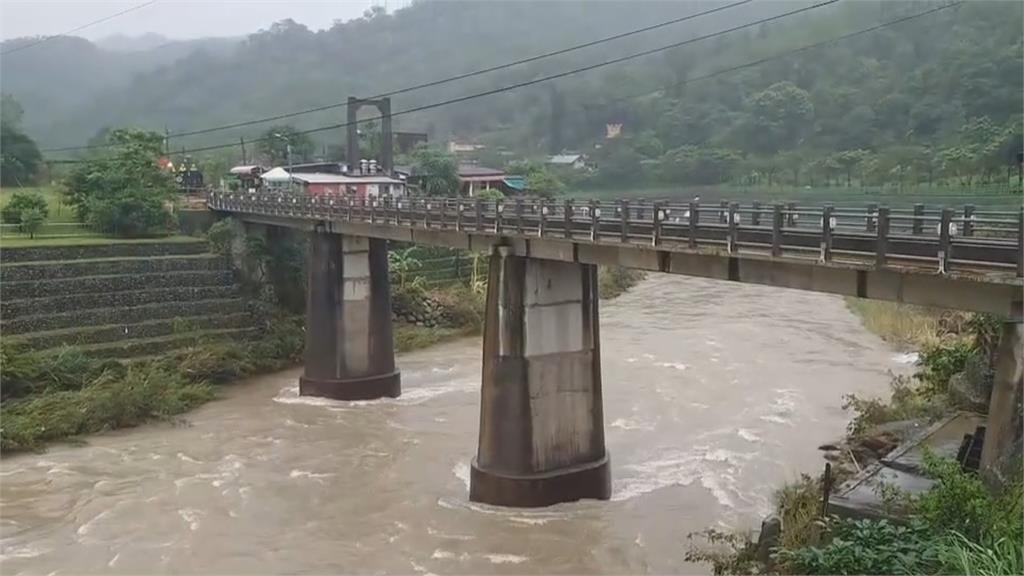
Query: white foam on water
x,y
191,516
461,471
775,419
630,360
442,554
12,472
439,534
714,468
518,516
88,526
9,552
310,475
113,560
748,435
910,358
631,424
505,558
409,397
677,365
699,405
648,356
185,458
447,370
530,521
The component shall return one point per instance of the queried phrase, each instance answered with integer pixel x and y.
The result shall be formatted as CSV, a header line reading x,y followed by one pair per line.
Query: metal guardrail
x,y
942,239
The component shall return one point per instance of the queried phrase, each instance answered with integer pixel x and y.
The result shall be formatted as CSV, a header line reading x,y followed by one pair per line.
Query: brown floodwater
x,y
715,394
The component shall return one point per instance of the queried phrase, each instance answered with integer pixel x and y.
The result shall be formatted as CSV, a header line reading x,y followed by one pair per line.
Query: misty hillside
x,y
915,83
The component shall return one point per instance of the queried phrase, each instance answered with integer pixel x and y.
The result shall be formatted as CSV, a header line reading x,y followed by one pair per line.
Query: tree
x,y
848,160
19,155
32,221
780,117
275,142
437,171
124,193
20,203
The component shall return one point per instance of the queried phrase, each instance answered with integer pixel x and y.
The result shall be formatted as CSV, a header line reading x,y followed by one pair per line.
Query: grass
x,y
91,241
904,326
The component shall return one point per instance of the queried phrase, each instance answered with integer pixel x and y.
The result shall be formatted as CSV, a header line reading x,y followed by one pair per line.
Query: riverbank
x,y
66,393
955,523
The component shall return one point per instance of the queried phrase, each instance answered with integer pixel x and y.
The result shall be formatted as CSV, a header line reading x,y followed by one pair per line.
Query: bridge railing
x,y
944,239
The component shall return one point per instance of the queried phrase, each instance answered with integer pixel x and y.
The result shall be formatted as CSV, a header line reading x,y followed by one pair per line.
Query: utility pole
x,y
291,179
241,141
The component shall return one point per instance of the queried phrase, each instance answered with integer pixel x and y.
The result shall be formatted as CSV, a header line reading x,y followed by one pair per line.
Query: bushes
x,y
21,202
49,397
865,547
131,217
614,281
958,526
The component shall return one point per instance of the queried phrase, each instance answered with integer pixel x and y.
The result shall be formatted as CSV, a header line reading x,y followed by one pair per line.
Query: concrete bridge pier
x,y
541,415
349,347
1003,435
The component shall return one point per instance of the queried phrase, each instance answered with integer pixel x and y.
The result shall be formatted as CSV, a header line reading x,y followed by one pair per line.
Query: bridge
x,y
541,435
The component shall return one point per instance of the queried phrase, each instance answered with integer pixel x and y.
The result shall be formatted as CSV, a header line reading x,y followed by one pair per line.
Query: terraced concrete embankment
x,y
119,300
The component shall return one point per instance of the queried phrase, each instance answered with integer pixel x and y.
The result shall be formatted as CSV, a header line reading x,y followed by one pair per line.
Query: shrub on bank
x,y
68,393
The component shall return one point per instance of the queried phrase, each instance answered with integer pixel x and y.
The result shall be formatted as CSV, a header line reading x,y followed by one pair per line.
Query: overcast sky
x,y
173,18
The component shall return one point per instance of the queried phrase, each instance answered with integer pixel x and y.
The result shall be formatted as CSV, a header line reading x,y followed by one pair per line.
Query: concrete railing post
x,y
349,348
624,220
969,220
945,239
871,220
918,222
777,230
882,237
541,414
694,223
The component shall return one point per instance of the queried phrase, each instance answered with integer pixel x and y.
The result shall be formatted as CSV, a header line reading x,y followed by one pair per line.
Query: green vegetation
x,y
437,171
19,155
959,526
277,141
933,101
52,396
125,193
614,281
14,209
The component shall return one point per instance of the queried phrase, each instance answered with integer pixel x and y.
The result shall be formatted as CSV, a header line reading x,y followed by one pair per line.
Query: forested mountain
x,y
906,99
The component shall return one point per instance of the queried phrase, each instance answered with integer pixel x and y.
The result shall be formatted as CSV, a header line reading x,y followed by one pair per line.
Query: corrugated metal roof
x,y
472,170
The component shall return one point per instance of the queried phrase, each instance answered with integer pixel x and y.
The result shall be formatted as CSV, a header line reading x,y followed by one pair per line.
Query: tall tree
x,y
277,140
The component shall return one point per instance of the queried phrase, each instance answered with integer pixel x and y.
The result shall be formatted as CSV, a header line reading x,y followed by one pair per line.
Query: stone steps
x,y
94,251
112,283
120,300
56,269
163,344
123,315
62,304
126,333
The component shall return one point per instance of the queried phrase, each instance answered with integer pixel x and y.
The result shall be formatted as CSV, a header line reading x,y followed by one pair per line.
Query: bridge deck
x,y
965,259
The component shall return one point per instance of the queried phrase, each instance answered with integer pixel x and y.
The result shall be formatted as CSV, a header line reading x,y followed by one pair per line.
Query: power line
x,y
792,52
543,78
73,30
437,82
716,73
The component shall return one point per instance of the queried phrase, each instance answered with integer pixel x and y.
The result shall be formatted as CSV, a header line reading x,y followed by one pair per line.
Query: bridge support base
x,y
349,347
1003,433
541,414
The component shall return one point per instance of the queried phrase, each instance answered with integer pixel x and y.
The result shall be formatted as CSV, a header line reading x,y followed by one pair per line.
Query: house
x,y
362,186
574,161
462,148
320,183
473,178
